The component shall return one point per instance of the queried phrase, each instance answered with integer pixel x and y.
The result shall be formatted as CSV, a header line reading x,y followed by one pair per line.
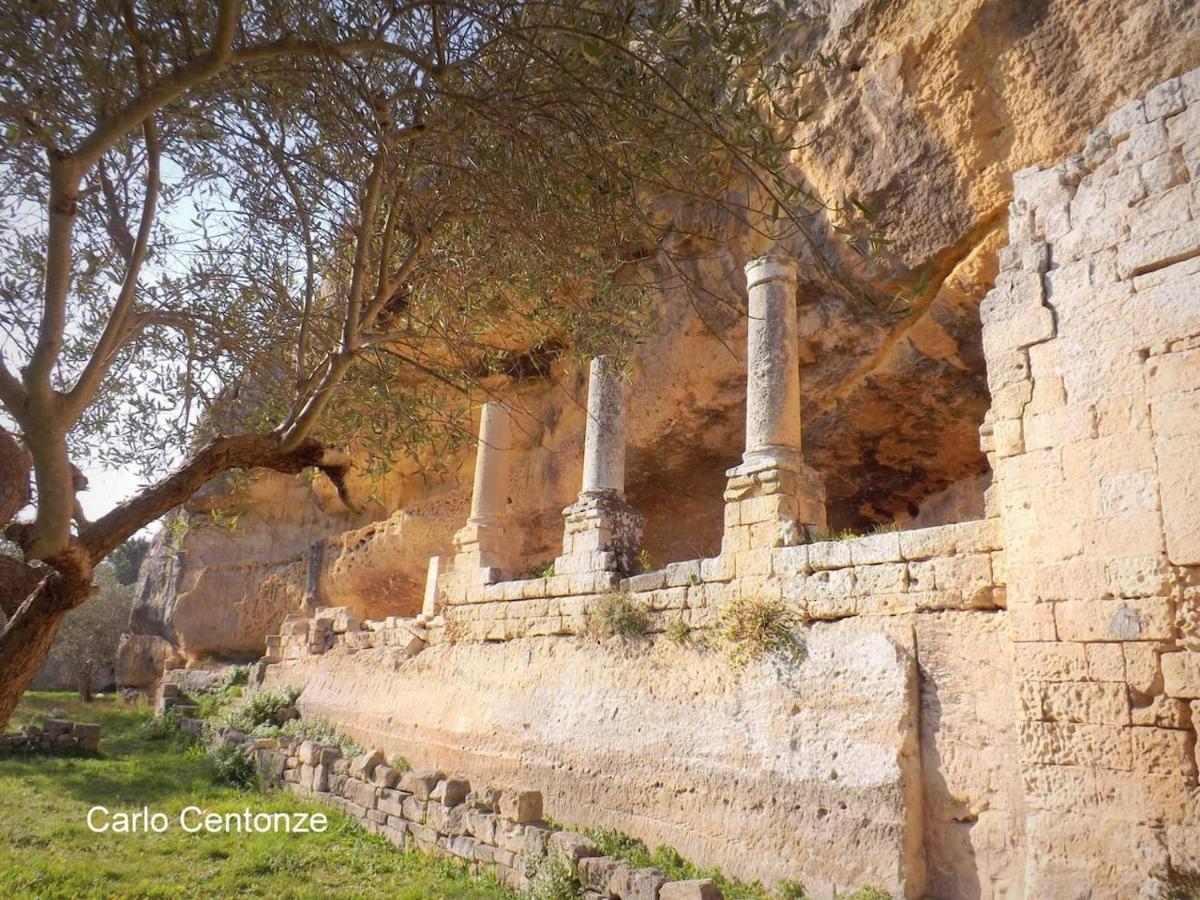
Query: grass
x,y
754,627
48,851
619,615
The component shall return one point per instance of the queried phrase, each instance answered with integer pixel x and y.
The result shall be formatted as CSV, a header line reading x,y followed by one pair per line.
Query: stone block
x,y
1105,662
692,889
481,824
1181,674
414,810
1073,744
888,578
875,548
1090,703
88,736
521,806
1165,751
385,776
1051,661
572,847
391,802
451,791
1165,99
421,783
363,793
363,766
1162,712
595,871
829,555
1145,619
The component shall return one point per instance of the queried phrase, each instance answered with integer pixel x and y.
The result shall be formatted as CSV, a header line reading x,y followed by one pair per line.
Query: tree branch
x,y
221,454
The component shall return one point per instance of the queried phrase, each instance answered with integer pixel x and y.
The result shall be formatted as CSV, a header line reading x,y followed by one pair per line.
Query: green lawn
x,y
47,850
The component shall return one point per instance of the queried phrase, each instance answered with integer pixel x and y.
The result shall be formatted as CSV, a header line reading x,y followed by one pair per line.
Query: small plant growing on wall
x,y
754,627
619,615
680,632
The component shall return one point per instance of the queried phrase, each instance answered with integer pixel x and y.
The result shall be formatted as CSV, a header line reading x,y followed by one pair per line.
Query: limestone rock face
x,y
923,116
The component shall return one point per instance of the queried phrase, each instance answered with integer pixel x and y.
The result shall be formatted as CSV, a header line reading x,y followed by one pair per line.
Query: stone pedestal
x,y
486,547
772,498
602,533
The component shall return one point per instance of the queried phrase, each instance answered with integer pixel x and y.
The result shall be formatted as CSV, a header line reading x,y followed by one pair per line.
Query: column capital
x,y
773,266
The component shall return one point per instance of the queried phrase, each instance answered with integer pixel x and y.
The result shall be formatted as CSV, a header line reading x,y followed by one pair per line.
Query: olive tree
x,y
252,235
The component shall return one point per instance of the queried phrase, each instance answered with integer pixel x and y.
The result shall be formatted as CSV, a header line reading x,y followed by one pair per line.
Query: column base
x,y
601,533
485,553
772,502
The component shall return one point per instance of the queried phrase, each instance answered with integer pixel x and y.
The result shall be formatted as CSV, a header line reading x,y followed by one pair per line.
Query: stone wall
x,y
495,829
868,737
1092,335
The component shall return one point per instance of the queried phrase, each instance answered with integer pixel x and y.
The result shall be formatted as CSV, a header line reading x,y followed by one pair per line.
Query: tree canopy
x,y
218,218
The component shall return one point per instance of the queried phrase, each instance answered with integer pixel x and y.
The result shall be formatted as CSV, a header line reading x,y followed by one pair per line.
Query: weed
x,y
231,768
671,863
320,730
400,764
790,889
553,879
541,570
754,627
619,615
680,632
644,563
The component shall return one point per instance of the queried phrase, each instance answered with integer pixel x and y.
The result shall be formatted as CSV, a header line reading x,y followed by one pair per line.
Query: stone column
x,y
486,548
489,494
602,533
772,498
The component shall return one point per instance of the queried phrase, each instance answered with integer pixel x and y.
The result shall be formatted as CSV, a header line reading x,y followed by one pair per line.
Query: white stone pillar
x,y
489,495
772,499
602,534
772,362
604,438
486,547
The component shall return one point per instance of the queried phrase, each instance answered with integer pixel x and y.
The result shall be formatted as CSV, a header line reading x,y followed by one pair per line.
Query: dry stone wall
x,y
1092,335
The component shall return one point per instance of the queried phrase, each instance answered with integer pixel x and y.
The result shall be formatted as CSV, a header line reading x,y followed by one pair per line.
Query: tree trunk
x,y
23,647
26,638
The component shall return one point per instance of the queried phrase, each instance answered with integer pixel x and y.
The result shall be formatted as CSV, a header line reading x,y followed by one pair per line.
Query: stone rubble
x,y
52,735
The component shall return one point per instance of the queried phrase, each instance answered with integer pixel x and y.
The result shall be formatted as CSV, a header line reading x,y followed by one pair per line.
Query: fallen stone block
x,y
363,766
521,806
421,784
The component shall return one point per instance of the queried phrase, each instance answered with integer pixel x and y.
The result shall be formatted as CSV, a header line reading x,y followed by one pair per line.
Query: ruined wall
x,y
1093,342
868,737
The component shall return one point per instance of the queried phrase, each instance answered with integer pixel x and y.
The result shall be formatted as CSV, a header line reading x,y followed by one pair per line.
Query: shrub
x,y
680,632
670,862
400,764
553,879
759,626
320,730
620,615
260,708
541,570
790,889
237,675
160,728
231,767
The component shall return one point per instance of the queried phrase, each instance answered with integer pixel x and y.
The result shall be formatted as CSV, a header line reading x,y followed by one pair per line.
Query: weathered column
x,y
604,438
602,533
772,363
772,498
486,547
489,494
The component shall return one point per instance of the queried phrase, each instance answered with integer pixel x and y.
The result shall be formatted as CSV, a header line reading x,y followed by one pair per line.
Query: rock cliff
x,y
926,109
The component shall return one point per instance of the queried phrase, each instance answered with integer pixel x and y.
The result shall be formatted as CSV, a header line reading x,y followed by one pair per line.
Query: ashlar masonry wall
x,y
1092,338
